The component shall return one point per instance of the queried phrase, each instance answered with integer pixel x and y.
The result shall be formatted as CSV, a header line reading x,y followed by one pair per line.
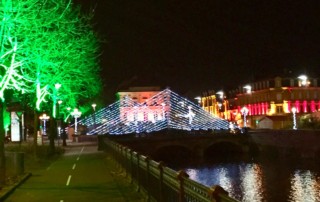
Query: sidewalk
x,y
120,189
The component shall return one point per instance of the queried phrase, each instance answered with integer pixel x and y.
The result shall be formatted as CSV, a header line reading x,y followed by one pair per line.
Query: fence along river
x,y
160,183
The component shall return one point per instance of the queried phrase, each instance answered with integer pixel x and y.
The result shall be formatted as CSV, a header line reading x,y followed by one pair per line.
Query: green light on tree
x,y
43,43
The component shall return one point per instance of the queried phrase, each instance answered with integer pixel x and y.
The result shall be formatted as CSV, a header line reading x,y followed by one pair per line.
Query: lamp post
x,y
58,111
248,88
223,105
244,111
303,80
58,121
294,111
221,94
94,115
76,114
56,88
44,118
198,98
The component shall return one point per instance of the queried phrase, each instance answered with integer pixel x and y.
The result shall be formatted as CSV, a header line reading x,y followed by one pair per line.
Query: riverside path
x,y
82,174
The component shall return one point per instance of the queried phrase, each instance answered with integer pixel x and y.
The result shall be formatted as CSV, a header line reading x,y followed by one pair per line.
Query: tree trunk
x,y
2,152
35,132
52,134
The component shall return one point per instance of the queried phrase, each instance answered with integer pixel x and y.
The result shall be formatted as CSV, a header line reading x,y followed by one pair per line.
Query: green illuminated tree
x,y
43,43
61,48
73,65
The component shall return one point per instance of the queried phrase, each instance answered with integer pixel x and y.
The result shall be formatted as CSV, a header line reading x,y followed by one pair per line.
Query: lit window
x,y
279,109
140,116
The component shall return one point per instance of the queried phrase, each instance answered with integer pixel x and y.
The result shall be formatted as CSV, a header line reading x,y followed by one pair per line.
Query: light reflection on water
x,y
305,187
251,182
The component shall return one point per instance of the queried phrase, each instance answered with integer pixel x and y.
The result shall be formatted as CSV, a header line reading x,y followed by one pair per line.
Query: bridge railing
x,y
160,183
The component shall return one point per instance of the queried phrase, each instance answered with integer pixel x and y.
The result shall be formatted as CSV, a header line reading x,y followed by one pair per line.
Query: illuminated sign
x,y
15,127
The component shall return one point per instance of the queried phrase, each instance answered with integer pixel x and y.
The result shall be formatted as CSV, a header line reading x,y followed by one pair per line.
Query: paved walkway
x,y
113,187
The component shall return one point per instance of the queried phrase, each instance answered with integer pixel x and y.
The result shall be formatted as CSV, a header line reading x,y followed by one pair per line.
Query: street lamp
x,y
56,88
220,93
198,98
76,114
303,80
222,104
94,115
44,118
58,121
248,88
244,111
294,111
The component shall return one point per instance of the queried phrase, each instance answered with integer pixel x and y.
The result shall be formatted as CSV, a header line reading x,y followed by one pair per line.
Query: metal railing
x,y
160,183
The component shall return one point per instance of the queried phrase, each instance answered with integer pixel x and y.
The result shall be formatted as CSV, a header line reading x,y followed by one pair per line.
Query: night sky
x,y
196,45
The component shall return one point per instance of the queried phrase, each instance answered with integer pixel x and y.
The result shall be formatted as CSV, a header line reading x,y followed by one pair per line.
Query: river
x,y
259,180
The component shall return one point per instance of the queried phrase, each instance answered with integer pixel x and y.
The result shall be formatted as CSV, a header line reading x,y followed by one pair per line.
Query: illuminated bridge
x,y
165,110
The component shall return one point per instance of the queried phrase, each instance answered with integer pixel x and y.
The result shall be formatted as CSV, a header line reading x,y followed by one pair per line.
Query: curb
x,y
8,190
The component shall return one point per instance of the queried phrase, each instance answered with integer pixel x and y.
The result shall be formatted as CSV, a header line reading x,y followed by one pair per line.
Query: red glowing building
x,y
145,104
269,101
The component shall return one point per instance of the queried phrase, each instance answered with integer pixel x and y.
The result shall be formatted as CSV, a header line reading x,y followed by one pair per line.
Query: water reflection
x,y
305,186
251,185
252,182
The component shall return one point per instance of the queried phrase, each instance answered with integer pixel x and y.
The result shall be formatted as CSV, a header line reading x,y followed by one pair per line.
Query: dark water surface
x,y
267,180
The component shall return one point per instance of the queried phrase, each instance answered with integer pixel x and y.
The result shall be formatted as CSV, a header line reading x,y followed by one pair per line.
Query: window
x,y
291,82
277,82
286,82
279,96
279,109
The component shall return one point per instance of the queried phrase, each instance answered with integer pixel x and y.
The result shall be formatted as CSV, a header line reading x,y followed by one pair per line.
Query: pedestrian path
x,y
82,174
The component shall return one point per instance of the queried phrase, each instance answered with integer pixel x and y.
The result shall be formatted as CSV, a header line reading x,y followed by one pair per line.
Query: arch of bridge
x,y
198,144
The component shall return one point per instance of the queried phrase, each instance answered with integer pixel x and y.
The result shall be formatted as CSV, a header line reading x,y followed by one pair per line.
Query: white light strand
x,y
164,110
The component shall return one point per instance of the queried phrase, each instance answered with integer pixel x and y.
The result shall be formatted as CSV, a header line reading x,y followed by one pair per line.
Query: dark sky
x,y
197,45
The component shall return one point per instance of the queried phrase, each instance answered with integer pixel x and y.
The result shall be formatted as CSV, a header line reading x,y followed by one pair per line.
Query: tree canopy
x,y
44,43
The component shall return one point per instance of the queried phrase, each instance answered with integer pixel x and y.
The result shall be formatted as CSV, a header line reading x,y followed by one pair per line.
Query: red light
x,y
312,106
305,106
297,105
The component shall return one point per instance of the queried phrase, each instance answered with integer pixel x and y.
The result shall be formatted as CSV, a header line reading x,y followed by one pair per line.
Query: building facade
x,y
275,100
142,104
139,94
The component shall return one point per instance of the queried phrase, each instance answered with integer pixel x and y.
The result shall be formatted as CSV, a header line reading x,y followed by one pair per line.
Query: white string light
x,y
164,110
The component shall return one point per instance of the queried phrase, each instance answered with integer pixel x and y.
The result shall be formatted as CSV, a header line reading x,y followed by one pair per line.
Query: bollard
x,y
39,138
18,162
15,163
